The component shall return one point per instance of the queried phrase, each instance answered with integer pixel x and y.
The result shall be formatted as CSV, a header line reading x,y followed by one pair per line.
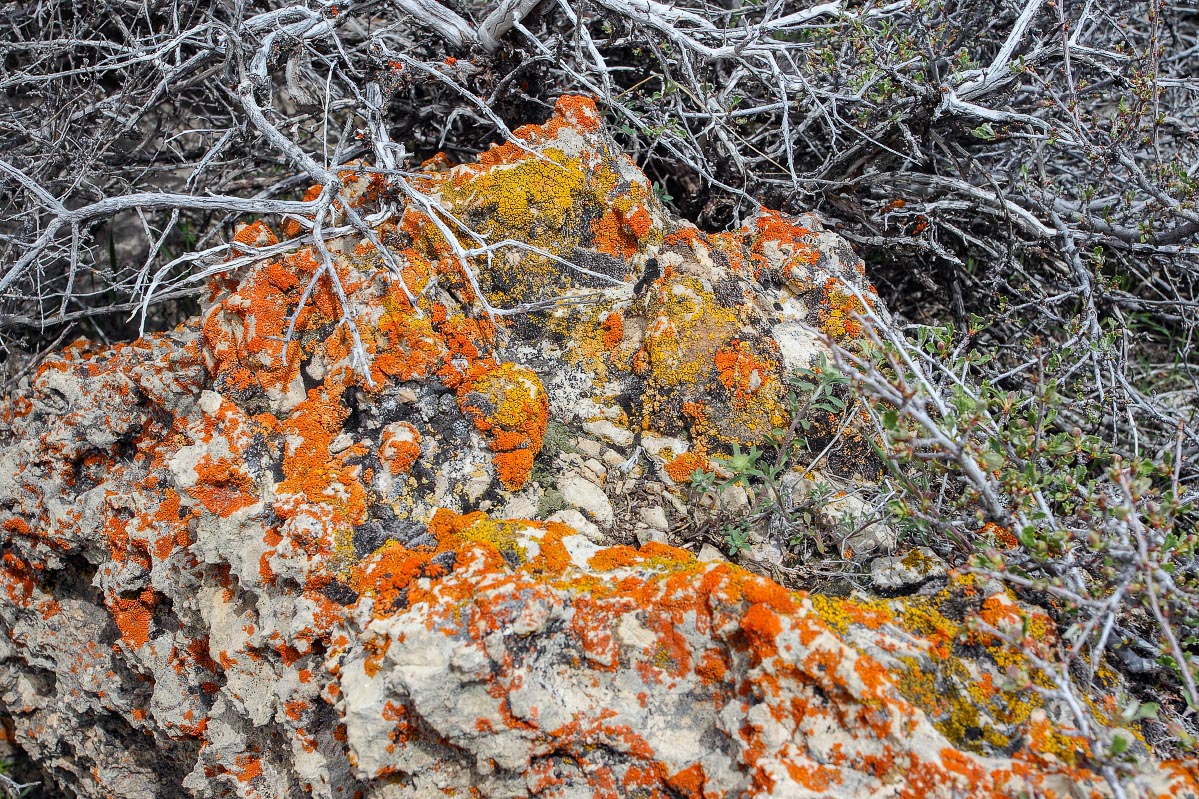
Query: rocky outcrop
x,y
242,560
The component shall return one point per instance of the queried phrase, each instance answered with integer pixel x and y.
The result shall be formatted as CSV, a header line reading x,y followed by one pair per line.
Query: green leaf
x,y
1146,711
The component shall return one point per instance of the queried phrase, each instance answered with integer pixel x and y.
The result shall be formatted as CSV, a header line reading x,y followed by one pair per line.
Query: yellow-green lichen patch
x,y
700,370
566,193
593,338
840,614
685,329
980,692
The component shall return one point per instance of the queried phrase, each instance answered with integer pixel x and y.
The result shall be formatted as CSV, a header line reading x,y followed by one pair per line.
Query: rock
x,y
598,471
613,460
609,432
578,522
590,448
843,511
646,535
915,568
655,517
587,497
230,573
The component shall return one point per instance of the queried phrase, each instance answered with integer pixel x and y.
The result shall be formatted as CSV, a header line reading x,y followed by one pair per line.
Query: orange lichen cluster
x,y
133,616
510,405
681,467
293,228
771,230
244,333
255,234
998,536
613,326
741,371
400,447
313,474
625,224
228,487
838,309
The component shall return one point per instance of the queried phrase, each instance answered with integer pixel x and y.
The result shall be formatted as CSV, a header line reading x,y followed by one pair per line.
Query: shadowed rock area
x,y
236,563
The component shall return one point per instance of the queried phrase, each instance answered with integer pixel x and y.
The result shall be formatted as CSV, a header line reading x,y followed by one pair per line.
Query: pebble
x,y
654,516
590,448
609,432
587,497
572,518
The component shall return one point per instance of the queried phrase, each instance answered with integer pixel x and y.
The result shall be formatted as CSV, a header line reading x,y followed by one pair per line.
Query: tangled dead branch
x,y
1033,163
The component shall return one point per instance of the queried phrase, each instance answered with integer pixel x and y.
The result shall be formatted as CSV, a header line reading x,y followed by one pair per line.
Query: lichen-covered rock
x,y
234,565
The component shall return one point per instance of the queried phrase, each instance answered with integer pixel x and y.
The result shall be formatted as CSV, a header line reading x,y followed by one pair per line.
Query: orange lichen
x,y
291,227
244,333
838,309
740,370
133,616
625,223
249,767
683,466
400,447
998,536
508,403
255,234
223,487
613,326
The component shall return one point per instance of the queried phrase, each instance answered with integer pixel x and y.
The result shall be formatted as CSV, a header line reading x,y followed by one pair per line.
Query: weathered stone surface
x,y
227,572
915,568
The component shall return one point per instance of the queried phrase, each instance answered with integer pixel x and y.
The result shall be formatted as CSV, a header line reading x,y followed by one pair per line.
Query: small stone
x,y
654,445
587,497
873,538
613,459
898,573
654,516
590,448
572,518
710,554
647,534
609,432
764,552
519,507
596,468
734,499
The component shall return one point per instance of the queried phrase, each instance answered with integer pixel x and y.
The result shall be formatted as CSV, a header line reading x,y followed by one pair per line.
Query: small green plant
x,y
769,474
737,539
1106,541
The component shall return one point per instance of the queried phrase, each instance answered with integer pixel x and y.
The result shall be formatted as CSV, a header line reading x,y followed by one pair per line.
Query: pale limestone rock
x,y
587,497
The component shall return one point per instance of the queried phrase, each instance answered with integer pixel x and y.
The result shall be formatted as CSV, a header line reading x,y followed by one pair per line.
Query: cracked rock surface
x,y
236,566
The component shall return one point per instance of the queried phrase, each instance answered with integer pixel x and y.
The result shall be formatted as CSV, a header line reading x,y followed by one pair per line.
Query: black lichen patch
x,y
340,593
